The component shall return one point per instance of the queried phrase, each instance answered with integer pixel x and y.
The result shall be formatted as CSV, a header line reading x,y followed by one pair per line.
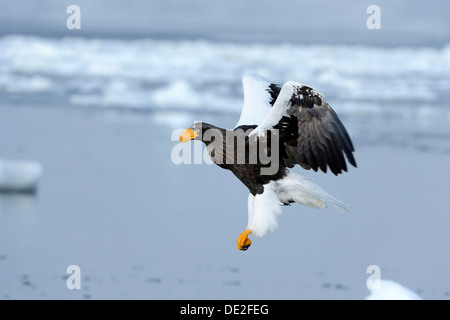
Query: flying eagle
x,y
288,125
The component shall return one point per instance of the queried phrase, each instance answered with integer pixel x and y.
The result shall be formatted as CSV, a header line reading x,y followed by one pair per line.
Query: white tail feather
x,y
295,188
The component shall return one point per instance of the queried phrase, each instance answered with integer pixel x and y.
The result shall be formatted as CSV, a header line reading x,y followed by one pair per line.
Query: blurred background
x,y
92,113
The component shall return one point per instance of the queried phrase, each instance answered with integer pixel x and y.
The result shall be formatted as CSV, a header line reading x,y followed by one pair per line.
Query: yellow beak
x,y
188,135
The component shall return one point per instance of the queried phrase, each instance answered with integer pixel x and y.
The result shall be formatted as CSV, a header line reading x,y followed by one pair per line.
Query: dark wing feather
x,y
274,91
317,137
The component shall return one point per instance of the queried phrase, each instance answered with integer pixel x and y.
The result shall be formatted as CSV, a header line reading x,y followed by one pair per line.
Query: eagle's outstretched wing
x,y
312,134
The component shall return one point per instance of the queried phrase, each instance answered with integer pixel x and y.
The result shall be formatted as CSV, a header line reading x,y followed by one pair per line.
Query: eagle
x,y
279,127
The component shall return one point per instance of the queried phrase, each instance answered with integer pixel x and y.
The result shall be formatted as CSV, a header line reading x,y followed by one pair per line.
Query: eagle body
x,y
279,127
239,163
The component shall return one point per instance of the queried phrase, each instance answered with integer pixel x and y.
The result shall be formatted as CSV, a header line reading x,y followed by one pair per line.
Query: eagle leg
x,y
243,242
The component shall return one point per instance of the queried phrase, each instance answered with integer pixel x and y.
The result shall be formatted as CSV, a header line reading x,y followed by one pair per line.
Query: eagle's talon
x,y
243,242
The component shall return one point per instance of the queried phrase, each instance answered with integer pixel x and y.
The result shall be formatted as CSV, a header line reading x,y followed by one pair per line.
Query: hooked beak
x,y
188,135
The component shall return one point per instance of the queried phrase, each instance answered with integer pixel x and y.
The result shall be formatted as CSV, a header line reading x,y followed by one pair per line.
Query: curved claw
x,y
243,242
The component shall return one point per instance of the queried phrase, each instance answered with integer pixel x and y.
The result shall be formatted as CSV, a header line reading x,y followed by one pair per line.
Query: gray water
x,y
112,202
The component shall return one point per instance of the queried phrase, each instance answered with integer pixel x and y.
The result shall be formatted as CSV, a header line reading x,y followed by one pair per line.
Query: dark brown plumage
x,y
313,135
226,155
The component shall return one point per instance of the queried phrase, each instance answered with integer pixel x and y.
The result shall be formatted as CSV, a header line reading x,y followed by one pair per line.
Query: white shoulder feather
x,y
256,100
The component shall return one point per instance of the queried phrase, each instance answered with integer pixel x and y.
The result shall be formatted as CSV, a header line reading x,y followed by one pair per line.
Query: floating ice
x,y
160,74
19,176
390,290
394,94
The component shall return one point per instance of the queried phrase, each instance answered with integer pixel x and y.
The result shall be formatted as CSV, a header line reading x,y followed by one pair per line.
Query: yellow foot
x,y
243,242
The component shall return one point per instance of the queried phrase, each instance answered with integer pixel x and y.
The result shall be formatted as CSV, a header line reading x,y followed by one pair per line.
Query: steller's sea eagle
x,y
287,125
